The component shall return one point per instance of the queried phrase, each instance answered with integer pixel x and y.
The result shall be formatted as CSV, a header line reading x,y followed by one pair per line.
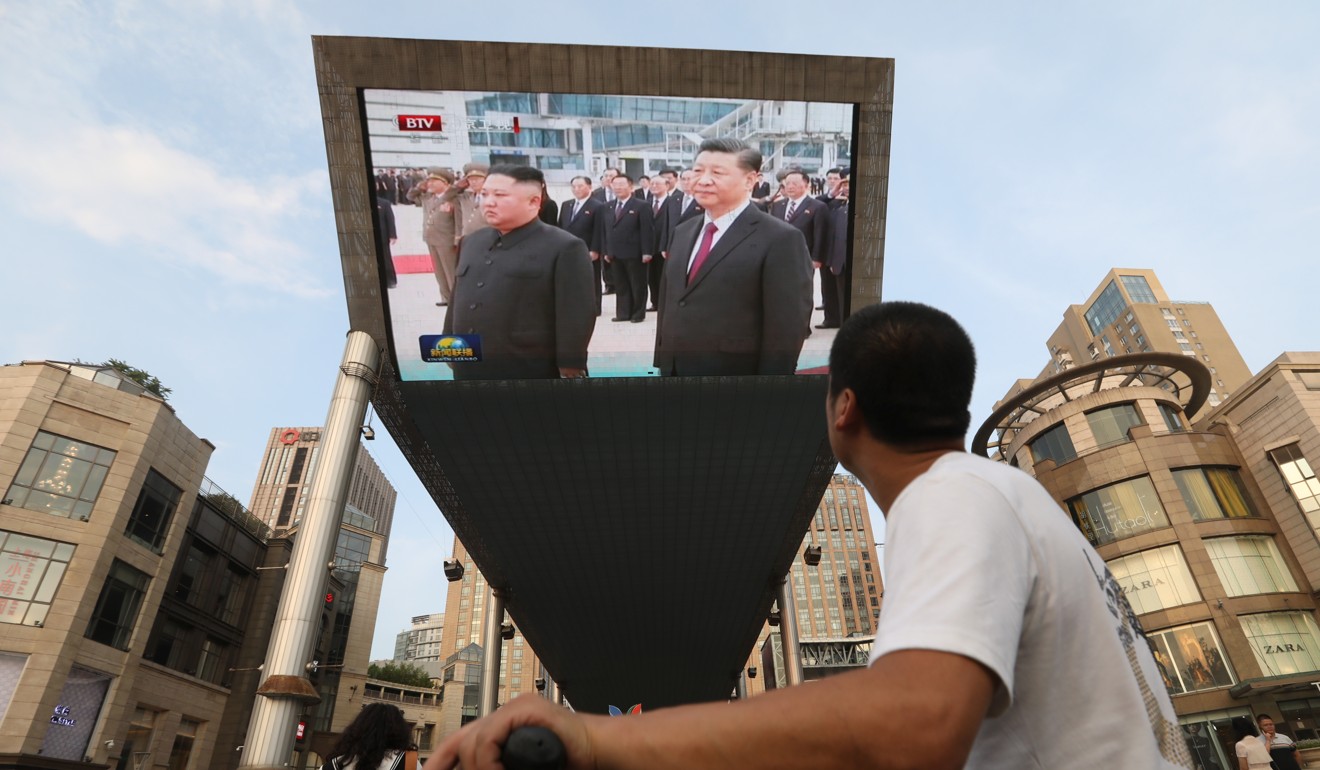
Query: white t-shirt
x,y
980,561
1253,750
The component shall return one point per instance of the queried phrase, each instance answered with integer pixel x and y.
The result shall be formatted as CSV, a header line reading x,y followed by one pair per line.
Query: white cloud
x,y
125,167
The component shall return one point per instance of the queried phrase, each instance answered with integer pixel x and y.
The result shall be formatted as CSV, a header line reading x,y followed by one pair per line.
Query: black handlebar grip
x,y
533,748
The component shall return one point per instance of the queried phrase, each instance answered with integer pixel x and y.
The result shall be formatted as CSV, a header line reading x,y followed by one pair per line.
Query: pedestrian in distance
x,y
378,738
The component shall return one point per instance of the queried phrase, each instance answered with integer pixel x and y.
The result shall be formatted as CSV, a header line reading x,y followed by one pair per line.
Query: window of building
x,y
1172,418
1138,289
1105,309
1177,335
1141,341
117,607
1155,580
137,743
1249,565
1136,332
1283,642
1128,317
1111,424
1054,444
1173,323
31,569
210,662
1301,480
1213,493
181,752
152,513
1191,659
352,549
60,476
1184,346
170,646
1118,511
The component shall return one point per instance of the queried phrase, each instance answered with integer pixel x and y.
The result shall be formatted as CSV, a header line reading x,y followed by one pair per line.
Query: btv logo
x,y
419,122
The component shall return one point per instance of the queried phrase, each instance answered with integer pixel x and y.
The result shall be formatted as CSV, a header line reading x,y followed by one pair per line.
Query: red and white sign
x,y
419,122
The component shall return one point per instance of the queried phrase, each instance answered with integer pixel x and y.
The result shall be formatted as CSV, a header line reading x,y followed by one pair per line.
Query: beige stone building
x,y
98,479
1204,524
284,480
837,601
1129,312
465,607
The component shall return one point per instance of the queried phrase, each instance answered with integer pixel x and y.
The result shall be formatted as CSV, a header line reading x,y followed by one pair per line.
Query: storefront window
x,y
1111,424
1284,642
1213,493
31,569
1155,580
1249,565
1118,511
1190,658
74,717
1210,738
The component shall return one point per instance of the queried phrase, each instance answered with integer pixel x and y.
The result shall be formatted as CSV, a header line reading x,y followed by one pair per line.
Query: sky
x,y
165,198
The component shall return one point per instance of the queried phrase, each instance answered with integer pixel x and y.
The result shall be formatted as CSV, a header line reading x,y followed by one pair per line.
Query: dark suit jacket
x,y
549,211
529,296
747,311
678,216
836,253
586,224
660,225
629,236
598,194
812,218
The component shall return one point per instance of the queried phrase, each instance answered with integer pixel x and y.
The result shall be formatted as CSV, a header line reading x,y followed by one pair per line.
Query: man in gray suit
x,y
523,287
736,295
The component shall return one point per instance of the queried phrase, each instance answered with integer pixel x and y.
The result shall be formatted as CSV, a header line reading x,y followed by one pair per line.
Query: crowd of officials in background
x,y
497,274
628,256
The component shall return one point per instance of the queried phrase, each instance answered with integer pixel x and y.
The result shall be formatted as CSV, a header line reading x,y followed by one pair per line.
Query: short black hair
x,y
795,170
622,175
518,173
912,367
643,176
669,172
586,179
835,170
749,158
1242,727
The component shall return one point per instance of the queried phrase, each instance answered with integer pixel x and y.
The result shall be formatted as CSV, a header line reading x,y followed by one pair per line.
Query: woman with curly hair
x,y
377,739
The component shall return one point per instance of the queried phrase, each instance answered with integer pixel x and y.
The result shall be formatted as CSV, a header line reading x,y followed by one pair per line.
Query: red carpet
x,y
405,264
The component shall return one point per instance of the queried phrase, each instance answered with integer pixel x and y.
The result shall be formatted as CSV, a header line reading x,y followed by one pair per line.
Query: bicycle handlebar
x,y
533,748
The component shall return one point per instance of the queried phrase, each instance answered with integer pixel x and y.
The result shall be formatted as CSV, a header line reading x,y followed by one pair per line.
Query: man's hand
x,y
572,374
664,254
646,258
477,746
595,255
608,258
815,265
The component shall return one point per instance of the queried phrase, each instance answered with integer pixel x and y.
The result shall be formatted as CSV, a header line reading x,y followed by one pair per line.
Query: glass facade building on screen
x,y
422,227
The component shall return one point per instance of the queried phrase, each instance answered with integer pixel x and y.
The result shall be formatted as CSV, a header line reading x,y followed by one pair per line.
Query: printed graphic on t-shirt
x,y
1167,735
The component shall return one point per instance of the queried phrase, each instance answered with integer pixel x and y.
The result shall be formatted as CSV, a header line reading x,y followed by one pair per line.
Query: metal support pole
x,y
492,645
742,685
788,633
286,690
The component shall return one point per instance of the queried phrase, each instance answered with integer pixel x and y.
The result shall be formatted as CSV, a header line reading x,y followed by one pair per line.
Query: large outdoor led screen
x,y
614,276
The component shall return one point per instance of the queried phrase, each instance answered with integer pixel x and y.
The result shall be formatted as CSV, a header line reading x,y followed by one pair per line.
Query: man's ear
x,y
847,414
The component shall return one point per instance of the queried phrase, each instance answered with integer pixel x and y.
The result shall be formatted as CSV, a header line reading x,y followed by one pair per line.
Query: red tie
x,y
706,240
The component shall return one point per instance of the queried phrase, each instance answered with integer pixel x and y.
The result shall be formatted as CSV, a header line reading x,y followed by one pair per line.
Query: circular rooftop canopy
x,y
1183,377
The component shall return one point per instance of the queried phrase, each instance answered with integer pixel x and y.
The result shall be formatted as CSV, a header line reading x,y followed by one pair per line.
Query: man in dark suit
x,y
659,203
836,252
736,298
579,217
798,208
523,287
629,241
683,206
605,193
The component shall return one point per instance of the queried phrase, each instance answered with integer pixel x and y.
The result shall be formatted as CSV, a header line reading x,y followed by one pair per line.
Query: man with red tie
x,y
736,294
